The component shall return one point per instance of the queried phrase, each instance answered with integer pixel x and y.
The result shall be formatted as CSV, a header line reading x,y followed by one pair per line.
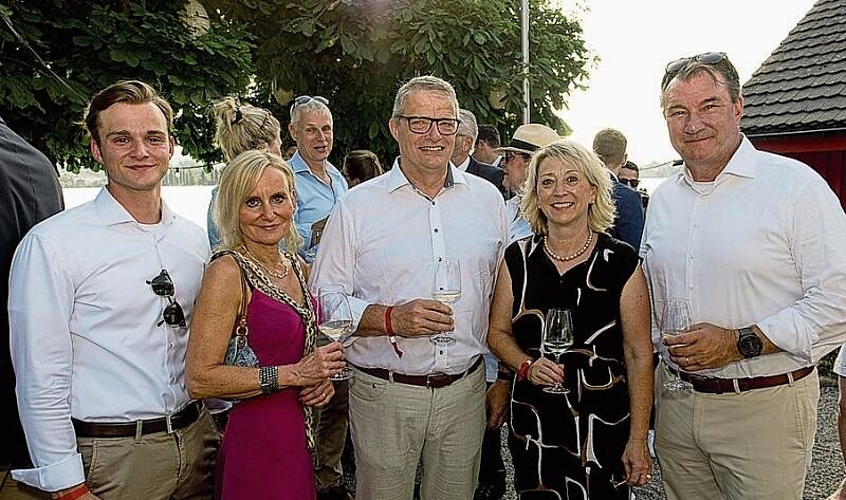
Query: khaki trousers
x,y
735,446
395,425
157,466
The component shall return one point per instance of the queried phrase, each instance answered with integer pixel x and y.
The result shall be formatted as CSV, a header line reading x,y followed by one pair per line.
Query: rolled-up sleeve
x,y
816,323
41,298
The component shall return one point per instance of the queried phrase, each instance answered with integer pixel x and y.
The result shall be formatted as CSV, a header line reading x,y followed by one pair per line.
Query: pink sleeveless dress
x,y
264,452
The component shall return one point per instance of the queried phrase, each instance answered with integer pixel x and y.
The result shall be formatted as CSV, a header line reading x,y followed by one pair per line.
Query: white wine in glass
x,y
447,290
334,320
558,336
675,319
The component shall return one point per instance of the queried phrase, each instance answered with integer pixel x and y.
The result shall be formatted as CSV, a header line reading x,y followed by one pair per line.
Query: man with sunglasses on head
x,y
319,184
412,397
754,243
101,296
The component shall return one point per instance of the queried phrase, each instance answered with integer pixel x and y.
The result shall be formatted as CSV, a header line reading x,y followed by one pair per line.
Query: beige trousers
x,y
754,445
395,425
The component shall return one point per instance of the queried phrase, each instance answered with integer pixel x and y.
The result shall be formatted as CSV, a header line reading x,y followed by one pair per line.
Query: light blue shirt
x,y
518,227
315,199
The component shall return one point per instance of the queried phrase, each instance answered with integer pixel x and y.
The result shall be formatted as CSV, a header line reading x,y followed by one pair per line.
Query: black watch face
x,y
750,345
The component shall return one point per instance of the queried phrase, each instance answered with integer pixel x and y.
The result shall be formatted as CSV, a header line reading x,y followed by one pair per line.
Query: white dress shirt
x,y
381,244
763,244
84,336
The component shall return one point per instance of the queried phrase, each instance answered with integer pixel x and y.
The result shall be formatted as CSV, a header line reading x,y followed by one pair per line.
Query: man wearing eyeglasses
x,y
754,243
319,184
100,299
412,399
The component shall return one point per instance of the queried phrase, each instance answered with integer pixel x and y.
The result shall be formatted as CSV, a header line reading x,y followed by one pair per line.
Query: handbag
x,y
239,352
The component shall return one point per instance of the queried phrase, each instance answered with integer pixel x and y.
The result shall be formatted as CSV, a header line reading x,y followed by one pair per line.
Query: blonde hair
x,y
237,181
242,127
601,212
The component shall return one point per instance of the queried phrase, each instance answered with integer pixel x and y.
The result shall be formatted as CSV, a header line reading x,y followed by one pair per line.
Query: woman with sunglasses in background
x,y
265,450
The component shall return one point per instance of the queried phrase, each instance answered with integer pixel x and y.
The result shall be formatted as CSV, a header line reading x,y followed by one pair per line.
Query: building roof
x,y
801,87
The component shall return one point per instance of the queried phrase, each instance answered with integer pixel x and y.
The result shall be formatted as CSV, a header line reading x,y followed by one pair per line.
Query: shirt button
x,y
441,352
436,230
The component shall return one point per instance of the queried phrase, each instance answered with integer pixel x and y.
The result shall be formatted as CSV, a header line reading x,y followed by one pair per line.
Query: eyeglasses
x,y
423,124
510,155
304,99
633,183
709,58
173,314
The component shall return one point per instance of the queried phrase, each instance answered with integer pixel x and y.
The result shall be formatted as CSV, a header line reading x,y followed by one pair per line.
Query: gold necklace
x,y
280,276
570,257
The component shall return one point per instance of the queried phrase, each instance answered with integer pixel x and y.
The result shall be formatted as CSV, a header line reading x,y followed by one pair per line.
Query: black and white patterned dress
x,y
569,446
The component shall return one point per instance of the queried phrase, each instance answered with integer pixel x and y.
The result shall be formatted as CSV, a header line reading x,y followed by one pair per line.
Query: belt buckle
x,y
168,424
437,378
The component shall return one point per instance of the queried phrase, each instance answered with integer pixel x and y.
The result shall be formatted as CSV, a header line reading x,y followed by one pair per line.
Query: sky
x,y
635,39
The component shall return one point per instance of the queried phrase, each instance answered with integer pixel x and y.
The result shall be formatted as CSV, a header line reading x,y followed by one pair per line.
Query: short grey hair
x,y
427,83
313,105
722,72
468,125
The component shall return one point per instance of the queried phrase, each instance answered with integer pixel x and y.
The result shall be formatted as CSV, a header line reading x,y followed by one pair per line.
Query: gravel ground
x,y
826,467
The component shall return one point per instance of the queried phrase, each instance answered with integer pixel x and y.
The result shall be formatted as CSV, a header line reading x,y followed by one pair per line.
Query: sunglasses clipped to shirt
x,y
173,314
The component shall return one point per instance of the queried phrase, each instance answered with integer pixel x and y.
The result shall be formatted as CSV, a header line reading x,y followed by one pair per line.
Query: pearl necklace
x,y
570,257
280,276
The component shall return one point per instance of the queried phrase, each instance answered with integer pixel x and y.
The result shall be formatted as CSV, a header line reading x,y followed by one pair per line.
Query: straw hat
x,y
529,138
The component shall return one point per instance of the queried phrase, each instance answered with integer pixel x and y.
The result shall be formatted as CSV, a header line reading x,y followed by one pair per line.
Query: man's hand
x,y
421,317
703,346
496,403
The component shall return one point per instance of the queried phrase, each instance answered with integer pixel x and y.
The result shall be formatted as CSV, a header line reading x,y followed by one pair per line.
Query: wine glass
x,y
447,290
557,338
675,319
334,320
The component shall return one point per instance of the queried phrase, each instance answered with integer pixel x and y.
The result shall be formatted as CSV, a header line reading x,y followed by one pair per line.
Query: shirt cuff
x,y
790,333
54,477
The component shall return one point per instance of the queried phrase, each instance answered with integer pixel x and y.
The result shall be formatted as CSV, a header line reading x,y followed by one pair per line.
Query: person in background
x,y
237,128
271,430
527,139
754,242
464,143
630,176
319,186
610,145
411,399
589,442
29,193
487,143
361,165
100,301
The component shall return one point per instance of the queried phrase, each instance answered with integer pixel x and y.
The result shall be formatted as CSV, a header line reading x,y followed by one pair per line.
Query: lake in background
x,y
192,202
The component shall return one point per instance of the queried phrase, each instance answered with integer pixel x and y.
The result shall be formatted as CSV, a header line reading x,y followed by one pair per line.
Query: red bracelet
x,y
389,329
79,492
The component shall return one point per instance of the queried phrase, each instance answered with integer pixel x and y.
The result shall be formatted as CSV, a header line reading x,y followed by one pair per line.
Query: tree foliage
x,y
357,53
55,54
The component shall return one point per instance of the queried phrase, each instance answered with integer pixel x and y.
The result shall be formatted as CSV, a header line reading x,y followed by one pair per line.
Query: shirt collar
x,y
463,166
741,164
299,165
397,179
113,213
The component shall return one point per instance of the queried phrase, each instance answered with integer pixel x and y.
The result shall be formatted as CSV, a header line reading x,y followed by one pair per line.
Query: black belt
x,y
722,385
184,418
432,381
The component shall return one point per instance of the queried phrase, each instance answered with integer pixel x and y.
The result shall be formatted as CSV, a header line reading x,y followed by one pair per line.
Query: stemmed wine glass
x,y
447,290
675,319
334,320
557,338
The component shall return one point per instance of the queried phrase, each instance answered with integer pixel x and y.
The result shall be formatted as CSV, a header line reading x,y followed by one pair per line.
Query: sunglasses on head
x,y
304,99
173,314
709,58
630,182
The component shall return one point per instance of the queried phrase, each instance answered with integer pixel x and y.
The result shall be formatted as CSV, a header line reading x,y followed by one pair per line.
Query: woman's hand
x,y
637,462
318,394
544,371
319,365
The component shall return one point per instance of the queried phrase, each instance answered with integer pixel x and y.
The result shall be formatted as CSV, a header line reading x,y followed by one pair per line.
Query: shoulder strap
x,y
240,329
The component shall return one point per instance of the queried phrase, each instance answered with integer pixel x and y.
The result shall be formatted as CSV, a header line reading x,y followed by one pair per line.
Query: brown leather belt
x,y
432,381
184,418
721,385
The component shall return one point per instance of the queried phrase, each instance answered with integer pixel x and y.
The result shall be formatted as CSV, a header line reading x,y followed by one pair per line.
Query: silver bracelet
x,y
269,379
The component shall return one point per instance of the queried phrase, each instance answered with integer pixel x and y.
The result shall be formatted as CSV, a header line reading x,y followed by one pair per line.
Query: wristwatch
x,y
748,344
